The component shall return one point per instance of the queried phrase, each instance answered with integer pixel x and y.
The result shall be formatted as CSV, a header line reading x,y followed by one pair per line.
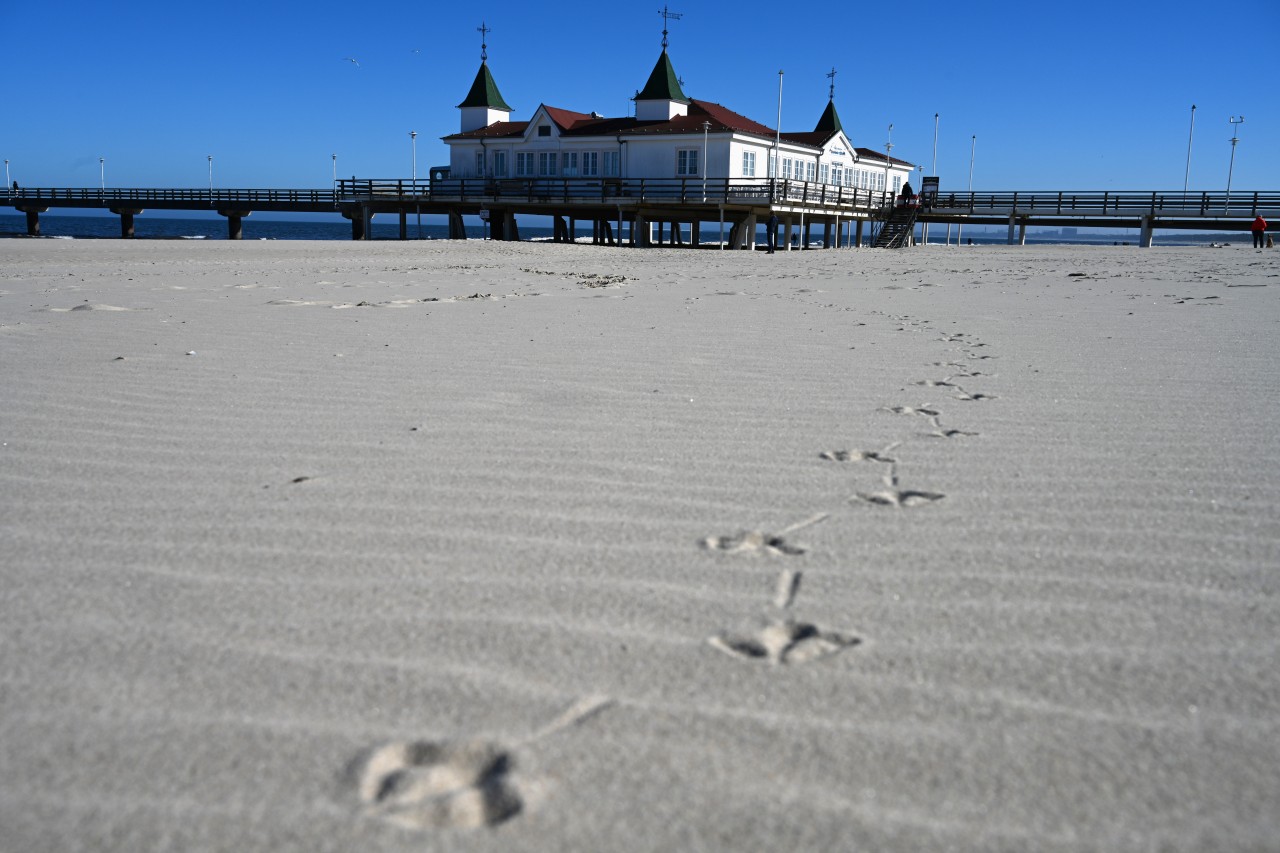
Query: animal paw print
x,y
755,542
426,785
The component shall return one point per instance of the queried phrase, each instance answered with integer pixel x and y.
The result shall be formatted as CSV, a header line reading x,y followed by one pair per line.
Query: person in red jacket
x,y
1259,229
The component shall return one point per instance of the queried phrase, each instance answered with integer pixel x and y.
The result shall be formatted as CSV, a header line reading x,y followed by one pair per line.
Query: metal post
x,y
888,148
706,126
924,229
335,180
210,178
1186,178
8,191
1234,139
777,139
973,145
102,174
413,141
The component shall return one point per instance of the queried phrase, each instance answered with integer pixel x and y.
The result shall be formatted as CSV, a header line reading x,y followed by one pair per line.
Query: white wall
x,y
655,157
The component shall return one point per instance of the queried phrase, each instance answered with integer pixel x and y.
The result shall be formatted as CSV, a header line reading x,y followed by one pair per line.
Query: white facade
x,y
558,143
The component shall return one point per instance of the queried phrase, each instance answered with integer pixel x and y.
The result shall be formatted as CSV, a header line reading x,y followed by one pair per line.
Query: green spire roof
x,y
663,84
830,121
484,92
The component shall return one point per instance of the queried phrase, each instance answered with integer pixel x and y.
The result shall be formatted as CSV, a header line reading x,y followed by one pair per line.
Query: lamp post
x,y
973,144
706,127
211,178
777,139
1234,139
413,142
335,180
102,174
1186,178
888,149
924,229
8,192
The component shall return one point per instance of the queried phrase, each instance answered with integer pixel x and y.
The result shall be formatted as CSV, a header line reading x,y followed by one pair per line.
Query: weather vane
x,y
484,31
667,15
831,92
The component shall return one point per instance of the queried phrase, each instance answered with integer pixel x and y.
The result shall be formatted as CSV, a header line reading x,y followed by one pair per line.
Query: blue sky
x,y
1085,95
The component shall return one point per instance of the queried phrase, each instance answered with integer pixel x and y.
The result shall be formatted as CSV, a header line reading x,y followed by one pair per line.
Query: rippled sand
x,y
341,546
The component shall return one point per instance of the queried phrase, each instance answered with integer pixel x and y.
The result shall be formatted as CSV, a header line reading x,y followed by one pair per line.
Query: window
x,y
687,161
826,173
811,172
837,174
748,164
524,163
500,164
897,184
590,164
480,164
611,164
544,130
786,168
569,163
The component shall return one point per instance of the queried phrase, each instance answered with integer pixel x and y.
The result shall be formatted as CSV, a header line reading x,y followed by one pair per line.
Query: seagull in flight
x,y
351,60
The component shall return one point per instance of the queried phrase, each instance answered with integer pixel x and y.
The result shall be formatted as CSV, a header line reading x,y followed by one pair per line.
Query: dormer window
x,y
544,130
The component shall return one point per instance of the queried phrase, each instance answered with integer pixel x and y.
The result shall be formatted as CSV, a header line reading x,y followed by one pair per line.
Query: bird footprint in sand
x,y
449,784
756,542
942,432
783,640
425,785
860,455
893,496
911,410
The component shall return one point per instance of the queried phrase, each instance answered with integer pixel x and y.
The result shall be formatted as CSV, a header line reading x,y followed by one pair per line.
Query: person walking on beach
x,y
1259,229
771,229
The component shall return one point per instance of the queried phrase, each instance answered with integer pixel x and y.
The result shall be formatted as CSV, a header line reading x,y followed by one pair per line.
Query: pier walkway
x,y
737,205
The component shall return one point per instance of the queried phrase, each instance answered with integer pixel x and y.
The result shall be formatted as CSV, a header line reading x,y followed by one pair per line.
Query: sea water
x,y
387,227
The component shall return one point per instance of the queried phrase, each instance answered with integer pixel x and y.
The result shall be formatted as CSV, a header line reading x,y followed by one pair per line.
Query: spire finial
x,y
831,92
484,31
667,15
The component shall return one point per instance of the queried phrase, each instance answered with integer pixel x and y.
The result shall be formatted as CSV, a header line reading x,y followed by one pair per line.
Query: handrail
x,y
757,192
1110,203
684,190
145,194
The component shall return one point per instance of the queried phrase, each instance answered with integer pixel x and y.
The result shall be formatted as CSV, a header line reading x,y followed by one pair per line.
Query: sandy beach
x,y
490,546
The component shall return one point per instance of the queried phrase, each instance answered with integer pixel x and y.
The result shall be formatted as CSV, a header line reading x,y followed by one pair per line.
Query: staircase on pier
x,y
896,231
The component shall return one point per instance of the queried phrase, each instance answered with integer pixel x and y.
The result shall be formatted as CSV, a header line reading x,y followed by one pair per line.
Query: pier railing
x,y
83,196
612,191
1200,205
